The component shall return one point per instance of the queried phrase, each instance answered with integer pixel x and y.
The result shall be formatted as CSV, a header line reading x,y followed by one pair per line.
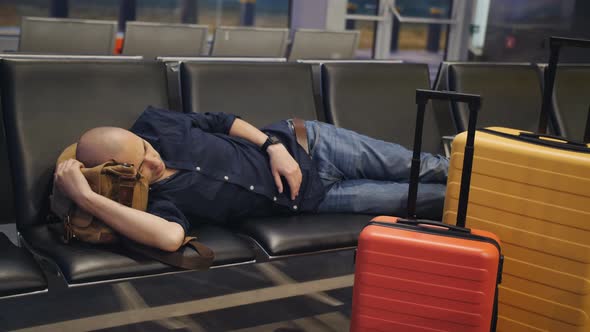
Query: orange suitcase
x,y
419,275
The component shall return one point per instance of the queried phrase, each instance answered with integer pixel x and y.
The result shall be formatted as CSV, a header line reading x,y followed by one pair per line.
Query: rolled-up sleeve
x,y
218,122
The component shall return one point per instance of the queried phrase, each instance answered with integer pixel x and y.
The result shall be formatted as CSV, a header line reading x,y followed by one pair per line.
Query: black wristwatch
x,y
271,140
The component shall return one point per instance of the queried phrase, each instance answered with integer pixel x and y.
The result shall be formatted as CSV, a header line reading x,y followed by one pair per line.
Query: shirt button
x,y
294,207
274,198
198,168
226,178
251,187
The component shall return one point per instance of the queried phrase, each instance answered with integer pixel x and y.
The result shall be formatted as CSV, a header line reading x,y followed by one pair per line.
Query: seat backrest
x,y
316,69
511,94
322,44
245,41
261,93
571,99
6,198
173,72
442,108
67,36
379,100
164,39
42,116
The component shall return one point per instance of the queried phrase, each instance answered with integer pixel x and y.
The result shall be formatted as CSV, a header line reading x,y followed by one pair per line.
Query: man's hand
x,y
282,163
137,225
71,182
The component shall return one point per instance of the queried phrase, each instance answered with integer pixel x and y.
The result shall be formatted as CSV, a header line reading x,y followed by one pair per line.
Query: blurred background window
x,y
260,13
424,8
417,36
94,9
209,12
12,10
230,12
272,13
168,11
367,28
517,30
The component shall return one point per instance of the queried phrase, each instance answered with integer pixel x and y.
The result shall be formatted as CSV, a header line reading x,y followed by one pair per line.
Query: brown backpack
x,y
123,184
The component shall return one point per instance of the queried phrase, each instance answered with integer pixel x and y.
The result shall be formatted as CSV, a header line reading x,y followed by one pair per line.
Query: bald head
x,y
102,144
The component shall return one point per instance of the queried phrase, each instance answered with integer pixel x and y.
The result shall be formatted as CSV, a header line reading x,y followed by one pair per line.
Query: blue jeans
x,y
366,175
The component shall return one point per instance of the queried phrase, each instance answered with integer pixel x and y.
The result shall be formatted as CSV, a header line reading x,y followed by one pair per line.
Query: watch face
x,y
274,140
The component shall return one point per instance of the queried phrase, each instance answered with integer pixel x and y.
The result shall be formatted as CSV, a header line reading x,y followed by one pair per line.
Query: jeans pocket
x,y
329,174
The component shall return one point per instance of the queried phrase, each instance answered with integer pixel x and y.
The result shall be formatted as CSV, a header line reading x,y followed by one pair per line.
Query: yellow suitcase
x,y
534,193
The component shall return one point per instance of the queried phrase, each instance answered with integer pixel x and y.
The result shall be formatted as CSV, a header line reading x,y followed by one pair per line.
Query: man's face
x,y
143,156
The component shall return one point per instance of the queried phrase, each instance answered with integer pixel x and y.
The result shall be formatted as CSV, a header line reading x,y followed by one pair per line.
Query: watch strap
x,y
269,141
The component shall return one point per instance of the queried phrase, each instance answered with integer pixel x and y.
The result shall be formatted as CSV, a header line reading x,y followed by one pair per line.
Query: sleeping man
x,y
217,167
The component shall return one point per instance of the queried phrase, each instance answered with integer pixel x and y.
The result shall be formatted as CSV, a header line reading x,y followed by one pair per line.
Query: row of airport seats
x,y
47,102
512,95
148,39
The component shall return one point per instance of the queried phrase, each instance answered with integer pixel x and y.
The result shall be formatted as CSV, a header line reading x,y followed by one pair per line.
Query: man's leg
x,y
381,197
342,154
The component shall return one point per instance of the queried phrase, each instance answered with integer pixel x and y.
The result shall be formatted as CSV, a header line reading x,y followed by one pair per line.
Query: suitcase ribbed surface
x,y
412,281
537,200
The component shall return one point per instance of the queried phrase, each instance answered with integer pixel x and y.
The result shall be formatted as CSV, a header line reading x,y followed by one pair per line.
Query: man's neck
x,y
168,172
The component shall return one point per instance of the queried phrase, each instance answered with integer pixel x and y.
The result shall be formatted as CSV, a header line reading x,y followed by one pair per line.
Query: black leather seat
x,y
261,93
442,109
511,94
6,198
316,73
305,234
47,105
19,273
173,72
378,100
82,263
571,100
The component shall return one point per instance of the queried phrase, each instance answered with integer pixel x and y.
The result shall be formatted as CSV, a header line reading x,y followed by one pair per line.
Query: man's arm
x,y
137,225
281,161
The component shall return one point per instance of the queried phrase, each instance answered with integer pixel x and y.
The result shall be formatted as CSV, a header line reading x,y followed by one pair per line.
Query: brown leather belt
x,y
301,133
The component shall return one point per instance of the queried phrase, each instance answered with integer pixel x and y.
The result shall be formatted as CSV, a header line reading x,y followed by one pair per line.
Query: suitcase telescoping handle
x,y
474,104
555,44
433,223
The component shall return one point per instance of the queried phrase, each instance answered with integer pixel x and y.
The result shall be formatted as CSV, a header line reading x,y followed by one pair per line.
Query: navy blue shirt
x,y
220,176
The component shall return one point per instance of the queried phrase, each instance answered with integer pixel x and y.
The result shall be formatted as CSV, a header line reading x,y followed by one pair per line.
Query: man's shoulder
x,y
153,117
153,111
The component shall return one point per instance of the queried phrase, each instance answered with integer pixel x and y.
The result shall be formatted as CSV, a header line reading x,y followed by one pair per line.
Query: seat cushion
x,y
19,272
81,262
302,234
